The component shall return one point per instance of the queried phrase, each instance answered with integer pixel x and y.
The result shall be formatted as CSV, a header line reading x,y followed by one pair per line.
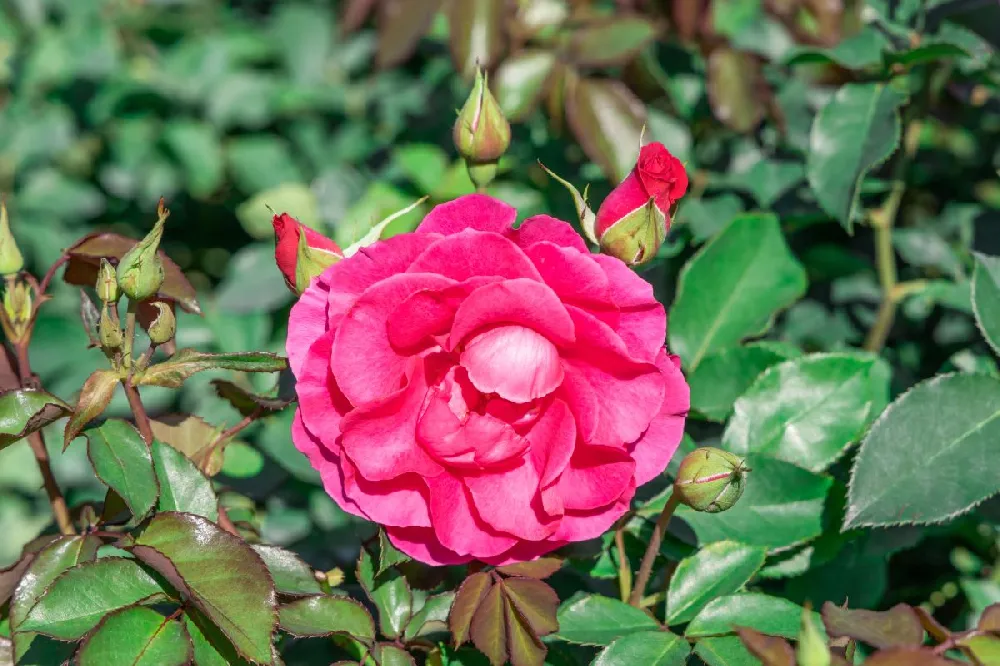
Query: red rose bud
x,y
482,133
319,251
633,220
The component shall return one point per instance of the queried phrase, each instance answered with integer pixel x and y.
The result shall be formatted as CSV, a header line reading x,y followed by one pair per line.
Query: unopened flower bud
x,y
140,271
109,331
11,261
300,252
710,480
636,237
163,328
481,133
107,283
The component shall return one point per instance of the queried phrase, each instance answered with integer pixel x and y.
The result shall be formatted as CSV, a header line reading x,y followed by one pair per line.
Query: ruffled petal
x,y
514,362
577,279
418,320
422,544
456,523
508,501
524,302
552,441
642,321
596,476
539,228
400,502
306,323
328,465
321,401
473,253
583,525
525,551
472,211
653,451
366,365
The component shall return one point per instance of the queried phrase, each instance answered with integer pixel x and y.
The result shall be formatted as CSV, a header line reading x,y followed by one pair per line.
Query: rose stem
x,y
649,557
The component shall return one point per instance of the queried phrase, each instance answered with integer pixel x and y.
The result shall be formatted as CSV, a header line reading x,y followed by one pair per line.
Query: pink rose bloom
x,y
484,392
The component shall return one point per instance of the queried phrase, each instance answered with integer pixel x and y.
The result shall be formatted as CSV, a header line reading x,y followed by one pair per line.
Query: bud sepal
x,y
140,271
296,243
11,260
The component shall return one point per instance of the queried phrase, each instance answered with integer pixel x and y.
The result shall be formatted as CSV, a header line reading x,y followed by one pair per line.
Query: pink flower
x,y
484,392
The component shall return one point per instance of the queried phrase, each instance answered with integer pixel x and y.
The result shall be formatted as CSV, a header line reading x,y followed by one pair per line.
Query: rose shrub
x,y
484,392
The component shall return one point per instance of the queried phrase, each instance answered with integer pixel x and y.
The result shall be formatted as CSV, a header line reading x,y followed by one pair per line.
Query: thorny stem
x,y
138,411
649,557
37,442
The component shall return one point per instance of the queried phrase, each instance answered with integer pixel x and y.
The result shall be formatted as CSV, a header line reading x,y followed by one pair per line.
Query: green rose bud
x,y
140,271
11,261
17,306
710,480
482,133
636,238
109,331
163,328
107,283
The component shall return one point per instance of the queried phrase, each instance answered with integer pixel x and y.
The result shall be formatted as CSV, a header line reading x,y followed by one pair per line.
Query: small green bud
x,y
11,261
481,133
107,283
710,480
109,331
310,262
636,238
163,328
812,649
140,271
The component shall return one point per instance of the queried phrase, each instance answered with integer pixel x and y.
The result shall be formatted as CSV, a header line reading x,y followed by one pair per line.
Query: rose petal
x,y
476,441
429,313
400,502
580,526
642,321
539,228
474,253
525,302
321,401
422,544
514,362
306,323
596,476
456,524
552,441
366,365
653,451
508,501
326,464
472,211
379,436
577,279
525,551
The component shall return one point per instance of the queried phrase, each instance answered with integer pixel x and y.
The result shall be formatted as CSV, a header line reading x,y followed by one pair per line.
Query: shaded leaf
x,y
488,630
247,402
907,657
717,569
136,636
854,132
94,398
51,561
535,602
733,287
725,375
988,621
326,615
173,372
521,80
914,465
401,24
724,651
11,576
85,260
123,462
193,437
24,411
291,575
468,598
986,298
476,32
897,627
649,648
808,410
523,645
182,486
606,119
595,620
541,568
432,616
218,573
764,613
390,593
771,650
733,79
388,654
610,42
388,555
80,597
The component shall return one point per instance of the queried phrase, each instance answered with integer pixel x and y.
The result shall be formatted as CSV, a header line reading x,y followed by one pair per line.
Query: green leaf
x,y
520,81
733,287
94,398
182,485
986,298
781,506
123,462
854,132
920,463
717,569
476,28
724,376
808,410
649,648
612,42
62,554
856,52
76,601
388,654
291,575
595,620
606,118
388,555
173,372
136,636
899,626
432,616
23,412
390,593
766,614
219,574
197,147
326,615
768,180
724,651
733,84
